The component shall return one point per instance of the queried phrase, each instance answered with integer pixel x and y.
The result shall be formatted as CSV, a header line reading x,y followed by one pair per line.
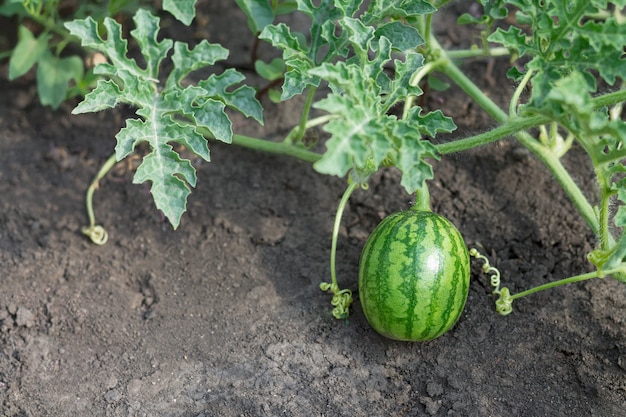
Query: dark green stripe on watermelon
x,y
414,276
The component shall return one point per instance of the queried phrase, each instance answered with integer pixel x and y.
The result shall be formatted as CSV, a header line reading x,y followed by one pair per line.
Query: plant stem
x,y
263,145
609,99
576,278
280,148
518,92
342,299
422,199
297,134
415,80
511,127
603,215
477,53
96,233
333,248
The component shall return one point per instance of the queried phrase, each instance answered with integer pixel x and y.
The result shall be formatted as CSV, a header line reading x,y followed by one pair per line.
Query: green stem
x,y
280,148
509,128
415,80
477,53
426,28
570,280
518,93
297,134
263,145
333,248
422,199
342,299
609,99
96,233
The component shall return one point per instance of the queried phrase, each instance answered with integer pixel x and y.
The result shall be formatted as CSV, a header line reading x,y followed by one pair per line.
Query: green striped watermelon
x,y
414,276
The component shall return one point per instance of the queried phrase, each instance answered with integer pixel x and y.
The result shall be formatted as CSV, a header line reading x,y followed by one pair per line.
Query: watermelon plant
x,y
372,59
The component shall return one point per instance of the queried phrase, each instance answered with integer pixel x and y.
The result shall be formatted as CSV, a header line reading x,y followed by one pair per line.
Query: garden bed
x,y
224,316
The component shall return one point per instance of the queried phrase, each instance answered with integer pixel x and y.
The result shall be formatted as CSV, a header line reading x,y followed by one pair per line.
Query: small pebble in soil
x,y
434,389
112,396
24,317
432,406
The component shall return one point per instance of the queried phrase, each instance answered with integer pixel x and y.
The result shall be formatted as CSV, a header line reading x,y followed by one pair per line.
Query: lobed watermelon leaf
x,y
327,43
183,10
168,112
566,37
364,134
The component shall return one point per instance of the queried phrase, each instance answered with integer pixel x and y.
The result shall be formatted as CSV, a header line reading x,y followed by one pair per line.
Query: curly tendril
x,y
97,234
504,303
342,299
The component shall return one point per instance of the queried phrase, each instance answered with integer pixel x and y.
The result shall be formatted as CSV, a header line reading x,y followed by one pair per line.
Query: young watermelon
x,y
414,276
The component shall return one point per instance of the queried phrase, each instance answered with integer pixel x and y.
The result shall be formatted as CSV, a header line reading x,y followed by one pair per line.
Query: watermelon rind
x,y
414,276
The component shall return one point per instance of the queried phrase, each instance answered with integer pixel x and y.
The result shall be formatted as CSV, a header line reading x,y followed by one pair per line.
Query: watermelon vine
x,y
372,59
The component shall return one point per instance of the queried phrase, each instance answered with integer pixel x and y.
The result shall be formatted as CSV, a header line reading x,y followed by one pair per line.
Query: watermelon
x,y
414,276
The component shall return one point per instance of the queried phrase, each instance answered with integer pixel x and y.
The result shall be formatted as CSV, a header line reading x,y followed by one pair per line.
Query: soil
x,y
224,316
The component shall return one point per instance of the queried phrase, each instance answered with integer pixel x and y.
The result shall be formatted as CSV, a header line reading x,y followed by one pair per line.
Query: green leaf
x,y
167,113
115,47
295,56
566,37
186,61
259,13
324,44
204,111
398,9
297,79
431,123
512,38
437,84
272,71
183,10
402,37
241,99
54,75
26,52
145,34
401,87
412,152
328,42
168,174
492,10
106,95
359,35
355,138
13,8
363,133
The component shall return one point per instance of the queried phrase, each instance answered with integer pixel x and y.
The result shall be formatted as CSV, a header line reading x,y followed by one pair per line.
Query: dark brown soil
x,y
224,317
